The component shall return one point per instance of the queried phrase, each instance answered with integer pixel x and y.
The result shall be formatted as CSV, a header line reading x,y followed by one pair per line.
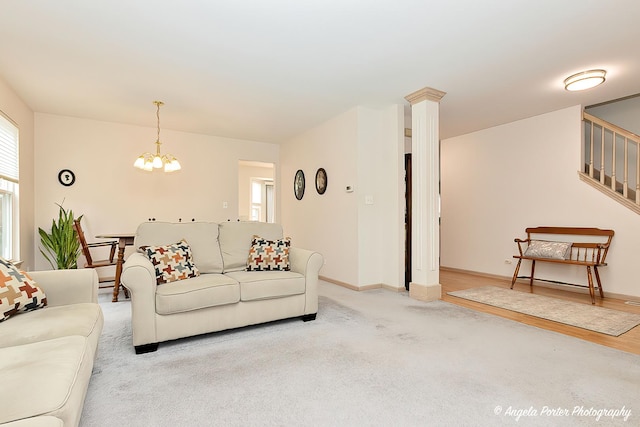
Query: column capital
x,y
427,93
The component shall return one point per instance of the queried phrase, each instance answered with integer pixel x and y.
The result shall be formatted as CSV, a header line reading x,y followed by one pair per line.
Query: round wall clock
x,y
298,184
321,181
66,177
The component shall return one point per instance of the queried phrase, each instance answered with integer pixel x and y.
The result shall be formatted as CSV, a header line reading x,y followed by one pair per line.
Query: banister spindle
x,y
637,173
591,153
625,183
602,134
613,162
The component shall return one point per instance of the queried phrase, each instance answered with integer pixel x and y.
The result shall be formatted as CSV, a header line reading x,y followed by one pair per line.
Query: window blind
x,y
8,150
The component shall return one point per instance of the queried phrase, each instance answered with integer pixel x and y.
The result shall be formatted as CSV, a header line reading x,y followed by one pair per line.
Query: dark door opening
x,y
407,220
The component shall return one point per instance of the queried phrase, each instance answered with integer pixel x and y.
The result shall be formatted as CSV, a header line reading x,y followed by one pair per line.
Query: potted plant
x,y
61,244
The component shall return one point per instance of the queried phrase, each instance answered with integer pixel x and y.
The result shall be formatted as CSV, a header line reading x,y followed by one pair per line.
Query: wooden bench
x,y
574,245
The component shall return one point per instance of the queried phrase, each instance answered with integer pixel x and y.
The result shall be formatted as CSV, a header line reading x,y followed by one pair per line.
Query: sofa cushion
x,y
257,285
269,255
207,290
45,378
45,421
171,262
202,238
18,292
82,319
236,237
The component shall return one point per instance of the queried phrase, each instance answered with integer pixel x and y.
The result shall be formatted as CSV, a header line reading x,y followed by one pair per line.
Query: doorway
x,y
407,220
256,191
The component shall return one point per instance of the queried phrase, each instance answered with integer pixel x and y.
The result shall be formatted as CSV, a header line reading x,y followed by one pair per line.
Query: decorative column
x,y
425,181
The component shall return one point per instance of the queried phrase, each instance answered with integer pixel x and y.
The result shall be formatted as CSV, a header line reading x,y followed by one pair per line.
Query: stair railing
x,y
611,160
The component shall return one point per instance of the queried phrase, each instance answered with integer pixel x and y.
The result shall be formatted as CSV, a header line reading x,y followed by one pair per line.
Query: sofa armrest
x,y
139,276
307,263
63,287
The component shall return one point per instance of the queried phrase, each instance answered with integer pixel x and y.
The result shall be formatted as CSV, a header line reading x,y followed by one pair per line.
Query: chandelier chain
x,y
148,162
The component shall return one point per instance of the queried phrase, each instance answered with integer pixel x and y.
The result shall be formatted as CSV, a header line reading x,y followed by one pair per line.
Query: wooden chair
x,y
91,263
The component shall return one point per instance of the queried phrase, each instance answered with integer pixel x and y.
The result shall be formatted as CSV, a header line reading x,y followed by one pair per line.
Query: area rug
x,y
585,316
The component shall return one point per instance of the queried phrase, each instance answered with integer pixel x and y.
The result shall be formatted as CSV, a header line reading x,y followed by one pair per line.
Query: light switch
x,y
368,200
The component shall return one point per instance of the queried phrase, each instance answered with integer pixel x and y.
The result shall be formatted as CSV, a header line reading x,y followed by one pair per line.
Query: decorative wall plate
x,y
298,184
321,181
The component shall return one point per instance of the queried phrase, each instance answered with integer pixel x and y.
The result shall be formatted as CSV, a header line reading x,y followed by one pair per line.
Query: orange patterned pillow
x,y
18,291
171,262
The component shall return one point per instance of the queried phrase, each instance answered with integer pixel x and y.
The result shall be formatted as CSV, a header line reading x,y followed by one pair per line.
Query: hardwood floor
x,y
455,280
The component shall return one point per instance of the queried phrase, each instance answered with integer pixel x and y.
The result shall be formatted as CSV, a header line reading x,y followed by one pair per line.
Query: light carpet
x,y
373,358
585,316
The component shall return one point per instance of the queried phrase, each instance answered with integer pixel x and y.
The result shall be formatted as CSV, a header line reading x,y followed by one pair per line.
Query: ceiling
x,y
268,70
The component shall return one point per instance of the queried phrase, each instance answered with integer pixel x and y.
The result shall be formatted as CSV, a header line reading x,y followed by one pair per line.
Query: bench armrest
x,y
520,242
64,287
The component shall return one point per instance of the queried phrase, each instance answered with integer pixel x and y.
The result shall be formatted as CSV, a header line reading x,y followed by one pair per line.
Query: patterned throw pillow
x,y
172,262
18,291
269,255
546,249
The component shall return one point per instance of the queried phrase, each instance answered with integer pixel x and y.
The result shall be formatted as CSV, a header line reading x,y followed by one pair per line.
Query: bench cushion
x,y
548,249
207,290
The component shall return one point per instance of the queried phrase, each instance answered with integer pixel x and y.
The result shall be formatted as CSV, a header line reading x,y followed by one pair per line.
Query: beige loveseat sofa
x,y
225,295
47,355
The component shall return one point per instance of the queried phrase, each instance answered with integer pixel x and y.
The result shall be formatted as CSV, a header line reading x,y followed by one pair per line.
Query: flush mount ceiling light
x,y
584,80
149,162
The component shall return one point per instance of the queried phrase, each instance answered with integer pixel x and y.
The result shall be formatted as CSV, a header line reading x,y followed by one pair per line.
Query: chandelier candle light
x,y
149,162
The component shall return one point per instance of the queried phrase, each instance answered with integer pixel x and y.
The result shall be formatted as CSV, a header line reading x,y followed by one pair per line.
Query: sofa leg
x,y
146,348
309,317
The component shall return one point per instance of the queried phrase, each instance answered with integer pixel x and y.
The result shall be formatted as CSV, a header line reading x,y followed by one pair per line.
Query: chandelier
x,y
148,162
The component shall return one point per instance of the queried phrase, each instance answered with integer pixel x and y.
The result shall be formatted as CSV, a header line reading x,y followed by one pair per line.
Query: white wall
x,y
18,111
498,181
363,148
116,197
381,176
326,223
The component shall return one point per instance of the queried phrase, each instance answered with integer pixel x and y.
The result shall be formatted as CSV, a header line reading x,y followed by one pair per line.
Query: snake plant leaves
x,y
61,246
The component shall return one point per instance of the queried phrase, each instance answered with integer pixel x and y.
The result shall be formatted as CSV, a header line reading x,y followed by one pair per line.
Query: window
x,y
256,200
9,240
262,200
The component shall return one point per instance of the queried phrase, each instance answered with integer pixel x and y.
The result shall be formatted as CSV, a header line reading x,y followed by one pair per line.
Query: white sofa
x,y
47,355
224,296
